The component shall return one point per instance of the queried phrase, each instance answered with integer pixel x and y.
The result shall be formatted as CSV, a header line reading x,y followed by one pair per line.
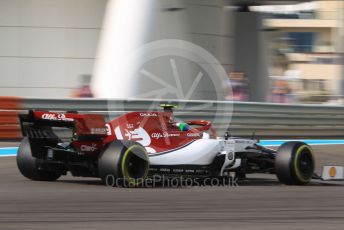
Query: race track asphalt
x,y
259,203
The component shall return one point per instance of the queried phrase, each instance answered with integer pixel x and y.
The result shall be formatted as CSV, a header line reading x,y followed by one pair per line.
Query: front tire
x,y
27,164
294,163
123,163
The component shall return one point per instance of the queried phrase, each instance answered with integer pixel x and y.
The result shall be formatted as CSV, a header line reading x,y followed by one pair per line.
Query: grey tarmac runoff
x,y
260,202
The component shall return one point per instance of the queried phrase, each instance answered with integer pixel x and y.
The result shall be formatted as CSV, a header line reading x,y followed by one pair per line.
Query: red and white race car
x,y
139,145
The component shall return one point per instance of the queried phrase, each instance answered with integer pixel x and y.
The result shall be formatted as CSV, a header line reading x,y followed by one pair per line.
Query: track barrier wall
x,y
265,120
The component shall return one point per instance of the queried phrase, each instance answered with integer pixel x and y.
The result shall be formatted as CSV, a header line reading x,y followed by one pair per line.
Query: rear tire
x,y
294,163
123,163
27,164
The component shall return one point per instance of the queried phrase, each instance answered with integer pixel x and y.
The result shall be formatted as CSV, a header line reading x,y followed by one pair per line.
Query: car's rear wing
x,y
39,123
39,128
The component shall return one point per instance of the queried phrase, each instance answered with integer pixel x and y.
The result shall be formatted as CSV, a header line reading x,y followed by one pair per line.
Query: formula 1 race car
x,y
139,145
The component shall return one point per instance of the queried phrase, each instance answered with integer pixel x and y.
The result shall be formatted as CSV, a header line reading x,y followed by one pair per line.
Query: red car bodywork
x,y
163,133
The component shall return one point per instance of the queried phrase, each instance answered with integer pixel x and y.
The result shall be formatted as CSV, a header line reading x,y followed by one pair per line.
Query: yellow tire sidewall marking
x,y
130,180
296,168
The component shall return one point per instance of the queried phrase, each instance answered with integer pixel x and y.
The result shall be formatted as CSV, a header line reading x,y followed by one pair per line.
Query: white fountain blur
x,y
161,49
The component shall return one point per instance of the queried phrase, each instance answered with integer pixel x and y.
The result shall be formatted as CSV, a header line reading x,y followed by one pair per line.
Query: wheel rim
x,y
135,165
304,163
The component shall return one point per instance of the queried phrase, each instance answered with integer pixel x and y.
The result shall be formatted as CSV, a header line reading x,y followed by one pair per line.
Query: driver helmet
x,y
183,126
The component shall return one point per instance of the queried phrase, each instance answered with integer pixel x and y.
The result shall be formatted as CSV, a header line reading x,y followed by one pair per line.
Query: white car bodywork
x,y
203,151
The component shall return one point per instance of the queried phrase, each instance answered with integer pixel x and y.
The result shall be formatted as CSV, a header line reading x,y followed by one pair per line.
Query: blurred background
x,y
283,51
